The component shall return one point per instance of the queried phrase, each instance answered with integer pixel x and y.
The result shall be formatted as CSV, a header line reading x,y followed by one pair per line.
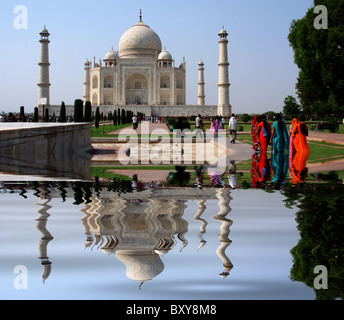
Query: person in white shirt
x,y
2,118
199,126
135,124
233,123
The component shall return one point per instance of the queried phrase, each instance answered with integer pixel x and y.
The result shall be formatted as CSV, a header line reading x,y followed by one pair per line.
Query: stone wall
x,y
50,149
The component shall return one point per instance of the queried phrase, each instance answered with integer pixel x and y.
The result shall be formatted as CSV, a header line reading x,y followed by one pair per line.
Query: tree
x,y
119,116
291,108
88,111
62,117
22,114
78,111
97,118
115,118
46,116
319,54
123,117
35,116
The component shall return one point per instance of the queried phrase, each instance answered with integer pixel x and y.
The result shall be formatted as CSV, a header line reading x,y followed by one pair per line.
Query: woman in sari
x,y
279,136
254,127
291,141
300,134
212,125
264,133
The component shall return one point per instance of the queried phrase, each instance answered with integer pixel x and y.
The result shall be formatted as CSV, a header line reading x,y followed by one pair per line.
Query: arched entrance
x,y
136,89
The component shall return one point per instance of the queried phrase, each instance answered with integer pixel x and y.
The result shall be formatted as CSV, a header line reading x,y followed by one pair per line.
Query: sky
x,y
262,70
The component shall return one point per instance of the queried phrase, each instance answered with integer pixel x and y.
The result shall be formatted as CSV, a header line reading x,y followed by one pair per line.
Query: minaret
x,y
43,82
201,96
224,107
87,83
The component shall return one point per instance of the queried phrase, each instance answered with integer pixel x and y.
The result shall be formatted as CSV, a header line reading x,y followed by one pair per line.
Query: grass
x,y
104,130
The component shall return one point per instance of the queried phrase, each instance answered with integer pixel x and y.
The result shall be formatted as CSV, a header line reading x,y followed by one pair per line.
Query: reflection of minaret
x,y
204,223
41,223
224,200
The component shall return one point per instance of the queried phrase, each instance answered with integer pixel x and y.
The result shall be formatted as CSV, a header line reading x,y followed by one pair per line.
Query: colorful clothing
x,y
280,138
264,135
254,127
300,138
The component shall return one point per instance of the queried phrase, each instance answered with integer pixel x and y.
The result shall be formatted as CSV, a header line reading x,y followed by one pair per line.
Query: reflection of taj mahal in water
x,y
140,228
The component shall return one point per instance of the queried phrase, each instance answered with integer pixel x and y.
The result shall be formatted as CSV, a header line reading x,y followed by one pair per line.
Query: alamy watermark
x,y
321,281
321,21
21,20
21,280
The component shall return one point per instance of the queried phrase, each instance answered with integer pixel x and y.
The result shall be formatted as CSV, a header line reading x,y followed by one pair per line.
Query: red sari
x,y
264,135
300,139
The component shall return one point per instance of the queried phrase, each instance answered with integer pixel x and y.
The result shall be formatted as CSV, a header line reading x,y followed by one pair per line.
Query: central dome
x,y
140,41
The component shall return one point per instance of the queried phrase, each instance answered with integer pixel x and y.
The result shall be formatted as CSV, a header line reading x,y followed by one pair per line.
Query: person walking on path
x,y
199,126
135,122
233,124
264,133
291,138
279,136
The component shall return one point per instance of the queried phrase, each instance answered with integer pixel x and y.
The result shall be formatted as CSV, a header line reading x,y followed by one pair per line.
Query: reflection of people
x,y
199,176
298,168
280,165
279,136
232,179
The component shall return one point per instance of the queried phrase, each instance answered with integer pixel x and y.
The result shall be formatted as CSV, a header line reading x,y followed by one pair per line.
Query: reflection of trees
x,y
321,224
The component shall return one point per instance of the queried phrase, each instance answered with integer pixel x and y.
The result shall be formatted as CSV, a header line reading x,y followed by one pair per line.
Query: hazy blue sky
x,y
262,70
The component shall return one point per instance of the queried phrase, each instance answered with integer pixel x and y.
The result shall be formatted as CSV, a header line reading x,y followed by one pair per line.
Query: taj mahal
x,y
141,77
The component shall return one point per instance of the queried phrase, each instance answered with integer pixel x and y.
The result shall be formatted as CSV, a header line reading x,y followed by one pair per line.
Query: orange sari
x,y
300,139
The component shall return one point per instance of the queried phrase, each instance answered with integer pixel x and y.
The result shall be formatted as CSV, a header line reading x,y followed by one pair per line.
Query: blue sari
x,y
280,140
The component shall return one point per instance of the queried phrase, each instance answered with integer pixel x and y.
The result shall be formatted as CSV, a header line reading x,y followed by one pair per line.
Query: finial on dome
x,y
140,15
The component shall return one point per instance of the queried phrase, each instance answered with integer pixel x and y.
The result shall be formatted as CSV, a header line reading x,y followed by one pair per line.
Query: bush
x,y
88,111
78,111
240,128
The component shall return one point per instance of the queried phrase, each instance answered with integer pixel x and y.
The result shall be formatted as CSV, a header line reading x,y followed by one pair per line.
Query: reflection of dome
x,y
140,40
141,266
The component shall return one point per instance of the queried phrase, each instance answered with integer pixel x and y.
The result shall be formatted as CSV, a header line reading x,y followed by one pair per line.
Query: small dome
x,y
140,40
111,55
45,32
223,32
200,63
165,55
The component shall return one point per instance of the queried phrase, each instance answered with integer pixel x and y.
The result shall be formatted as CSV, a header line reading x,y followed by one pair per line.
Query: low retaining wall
x,y
47,149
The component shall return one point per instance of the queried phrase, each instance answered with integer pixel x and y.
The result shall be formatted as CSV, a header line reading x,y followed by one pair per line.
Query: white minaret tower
x,y
87,83
224,107
43,82
201,95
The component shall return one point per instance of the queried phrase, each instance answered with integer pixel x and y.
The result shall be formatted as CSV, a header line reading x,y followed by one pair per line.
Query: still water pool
x,y
87,241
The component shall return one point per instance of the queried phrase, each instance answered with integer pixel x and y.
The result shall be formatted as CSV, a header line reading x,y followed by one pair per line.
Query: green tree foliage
x,y
88,111
119,116
291,108
62,117
124,119
22,114
320,223
115,118
35,115
319,54
46,115
78,111
97,118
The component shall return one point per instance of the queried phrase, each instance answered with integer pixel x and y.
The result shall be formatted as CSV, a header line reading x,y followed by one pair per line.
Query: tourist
x,y
291,138
279,135
254,127
11,117
264,133
199,126
135,124
233,124
212,125
2,117
300,134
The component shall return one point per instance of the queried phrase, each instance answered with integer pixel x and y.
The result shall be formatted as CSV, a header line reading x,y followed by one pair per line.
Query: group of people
x,y
277,135
290,150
